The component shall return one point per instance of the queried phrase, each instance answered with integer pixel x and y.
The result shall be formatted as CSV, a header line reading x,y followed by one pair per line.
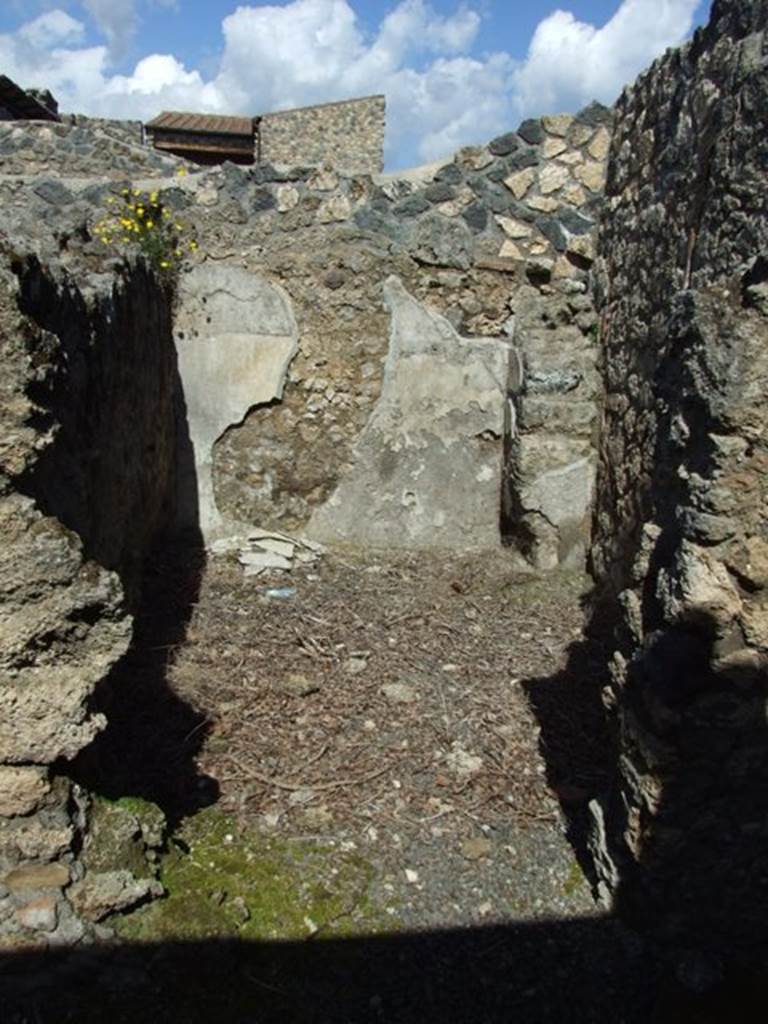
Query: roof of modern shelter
x,y
206,124
22,103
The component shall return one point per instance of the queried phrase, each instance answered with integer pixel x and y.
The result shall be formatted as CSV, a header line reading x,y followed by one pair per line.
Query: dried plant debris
x,y
396,704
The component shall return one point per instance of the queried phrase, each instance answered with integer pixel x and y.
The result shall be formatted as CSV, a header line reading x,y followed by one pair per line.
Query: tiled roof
x,y
206,124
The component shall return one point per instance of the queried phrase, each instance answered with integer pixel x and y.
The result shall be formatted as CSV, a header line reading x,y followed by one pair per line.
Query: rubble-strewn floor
x,y
386,704
420,722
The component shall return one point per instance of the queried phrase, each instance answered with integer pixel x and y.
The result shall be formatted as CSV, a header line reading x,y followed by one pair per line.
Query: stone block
x,y
509,250
552,177
531,131
582,246
450,173
335,208
22,789
411,206
287,197
574,195
503,145
38,915
519,183
43,713
102,893
595,114
544,204
552,147
439,192
476,216
600,144
557,124
592,175
514,228
324,179
521,159
553,231
33,838
37,876
443,242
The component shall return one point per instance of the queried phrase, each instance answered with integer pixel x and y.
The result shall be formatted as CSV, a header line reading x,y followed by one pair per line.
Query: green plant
x,y
139,220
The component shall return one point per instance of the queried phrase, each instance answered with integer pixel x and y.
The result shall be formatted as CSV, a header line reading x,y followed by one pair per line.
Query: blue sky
x,y
454,73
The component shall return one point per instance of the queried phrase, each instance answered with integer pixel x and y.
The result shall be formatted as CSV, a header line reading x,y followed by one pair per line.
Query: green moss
x,y
223,882
574,880
121,835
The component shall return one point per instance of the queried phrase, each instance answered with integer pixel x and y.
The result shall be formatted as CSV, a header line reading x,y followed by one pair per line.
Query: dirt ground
x,y
434,720
432,711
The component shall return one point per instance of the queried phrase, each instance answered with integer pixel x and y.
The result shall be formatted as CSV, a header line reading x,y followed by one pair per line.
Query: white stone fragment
x,y
519,183
552,177
552,147
514,228
557,124
286,197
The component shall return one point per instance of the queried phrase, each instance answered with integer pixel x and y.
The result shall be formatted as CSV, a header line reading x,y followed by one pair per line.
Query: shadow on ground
x,y
577,970
149,746
152,738
698,895
578,747
581,971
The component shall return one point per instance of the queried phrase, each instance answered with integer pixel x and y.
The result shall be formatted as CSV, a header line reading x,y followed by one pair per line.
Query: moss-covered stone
x,y
223,881
124,834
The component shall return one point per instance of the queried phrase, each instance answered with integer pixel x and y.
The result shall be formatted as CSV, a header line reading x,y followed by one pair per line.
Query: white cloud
x,y
571,62
118,21
440,94
158,82
288,56
55,28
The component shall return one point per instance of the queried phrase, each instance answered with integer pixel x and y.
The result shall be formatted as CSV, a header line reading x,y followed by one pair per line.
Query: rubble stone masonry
x,y
680,545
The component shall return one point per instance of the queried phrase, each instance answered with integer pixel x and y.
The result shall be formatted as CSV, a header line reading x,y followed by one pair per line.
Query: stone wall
x,y
498,241
87,454
483,264
681,536
81,147
349,134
